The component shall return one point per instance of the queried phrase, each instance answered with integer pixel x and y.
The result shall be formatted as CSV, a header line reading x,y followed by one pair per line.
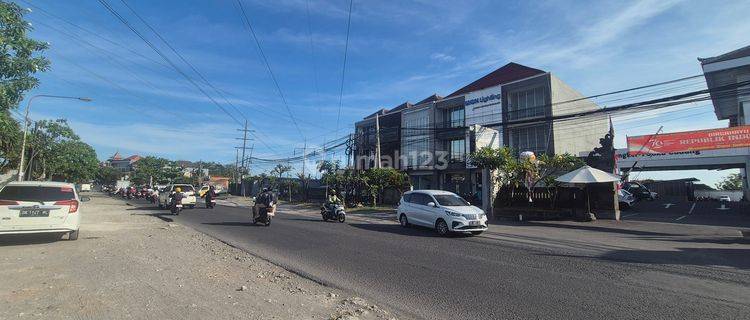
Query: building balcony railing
x,y
526,113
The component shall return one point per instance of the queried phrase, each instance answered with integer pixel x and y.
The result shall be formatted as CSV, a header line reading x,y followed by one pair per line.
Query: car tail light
x,y
72,203
8,202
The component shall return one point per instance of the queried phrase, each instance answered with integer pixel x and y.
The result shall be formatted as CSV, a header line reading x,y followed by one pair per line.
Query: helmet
x,y
333,190
178,189
265,189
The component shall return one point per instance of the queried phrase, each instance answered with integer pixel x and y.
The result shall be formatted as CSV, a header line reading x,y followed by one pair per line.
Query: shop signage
x,y
722,138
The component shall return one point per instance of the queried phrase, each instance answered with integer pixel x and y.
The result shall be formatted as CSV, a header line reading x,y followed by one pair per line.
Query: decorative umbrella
x,y
587,175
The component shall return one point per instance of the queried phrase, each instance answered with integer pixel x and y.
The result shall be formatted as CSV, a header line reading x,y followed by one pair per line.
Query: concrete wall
x,y
577,135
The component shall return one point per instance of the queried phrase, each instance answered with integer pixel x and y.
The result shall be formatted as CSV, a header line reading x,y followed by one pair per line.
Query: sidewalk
x,y
129,264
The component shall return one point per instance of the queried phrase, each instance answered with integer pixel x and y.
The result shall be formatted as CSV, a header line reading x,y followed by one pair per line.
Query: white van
x,y
445,211
40,207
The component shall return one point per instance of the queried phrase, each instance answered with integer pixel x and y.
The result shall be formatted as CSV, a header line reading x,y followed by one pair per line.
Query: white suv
x,y
445,211
40,207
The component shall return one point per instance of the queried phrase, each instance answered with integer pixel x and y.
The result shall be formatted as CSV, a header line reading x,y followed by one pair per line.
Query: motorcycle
x,y
336,213
262,214
176,206
211,204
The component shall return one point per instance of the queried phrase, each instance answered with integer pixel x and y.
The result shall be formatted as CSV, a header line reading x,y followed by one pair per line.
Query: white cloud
x,y
442,57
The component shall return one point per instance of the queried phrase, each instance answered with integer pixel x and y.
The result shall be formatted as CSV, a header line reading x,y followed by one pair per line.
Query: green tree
x,y
19,56
328,166
108,175
280,169
72,161
43,139
731,182
10,143
160,169
376,180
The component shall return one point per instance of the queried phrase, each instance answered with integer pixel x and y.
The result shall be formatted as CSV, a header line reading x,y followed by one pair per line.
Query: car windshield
x,y
450,200
185,188
36,193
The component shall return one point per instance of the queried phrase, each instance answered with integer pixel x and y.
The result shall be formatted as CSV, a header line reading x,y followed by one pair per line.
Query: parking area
x,y
676,210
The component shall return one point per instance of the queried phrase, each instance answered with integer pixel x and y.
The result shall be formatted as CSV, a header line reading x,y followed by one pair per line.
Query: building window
x,y
457,150
533,138
528,103
415,140
455,117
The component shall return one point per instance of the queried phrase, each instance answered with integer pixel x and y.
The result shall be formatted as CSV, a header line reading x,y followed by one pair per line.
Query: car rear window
x,y
184,188
36,193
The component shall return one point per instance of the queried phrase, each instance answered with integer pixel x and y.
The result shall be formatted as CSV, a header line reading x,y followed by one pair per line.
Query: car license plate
x,y
473,223
30,213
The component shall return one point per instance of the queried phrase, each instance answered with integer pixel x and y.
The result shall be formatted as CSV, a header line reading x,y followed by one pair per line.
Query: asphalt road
x,y
419,275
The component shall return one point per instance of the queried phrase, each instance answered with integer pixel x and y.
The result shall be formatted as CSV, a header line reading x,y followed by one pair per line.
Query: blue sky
x,y
398,51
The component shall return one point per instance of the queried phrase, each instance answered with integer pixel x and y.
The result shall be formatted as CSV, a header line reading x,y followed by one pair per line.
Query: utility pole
x,y
377,140
236,164
244,147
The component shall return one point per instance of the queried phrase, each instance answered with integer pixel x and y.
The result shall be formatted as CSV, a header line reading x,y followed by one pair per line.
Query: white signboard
x,y
484,106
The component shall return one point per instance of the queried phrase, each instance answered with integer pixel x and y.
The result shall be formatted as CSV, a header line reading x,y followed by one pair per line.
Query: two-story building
x,y
123,165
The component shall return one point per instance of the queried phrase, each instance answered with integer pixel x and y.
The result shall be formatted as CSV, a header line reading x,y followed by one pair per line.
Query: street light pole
x,y
26,126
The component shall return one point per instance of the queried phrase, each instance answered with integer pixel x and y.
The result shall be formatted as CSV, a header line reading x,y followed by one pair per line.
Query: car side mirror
x,y
85,199
467,202
431,204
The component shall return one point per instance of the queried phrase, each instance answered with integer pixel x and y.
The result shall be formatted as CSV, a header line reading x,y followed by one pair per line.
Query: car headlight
x,y
452,214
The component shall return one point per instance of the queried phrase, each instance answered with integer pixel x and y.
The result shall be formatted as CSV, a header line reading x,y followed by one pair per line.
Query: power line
x,y
343,68
268,66
165,58
177,53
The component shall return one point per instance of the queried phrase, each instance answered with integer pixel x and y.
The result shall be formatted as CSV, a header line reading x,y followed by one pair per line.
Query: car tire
x,y
192,206
403,220
73,235
476,233
442,228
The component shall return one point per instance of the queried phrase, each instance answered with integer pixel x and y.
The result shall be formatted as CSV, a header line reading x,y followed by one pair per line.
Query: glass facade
x,y
531,138
457,150
528,103
455,117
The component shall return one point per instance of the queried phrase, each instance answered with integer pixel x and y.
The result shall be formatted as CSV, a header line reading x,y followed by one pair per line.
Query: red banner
x,y
723,138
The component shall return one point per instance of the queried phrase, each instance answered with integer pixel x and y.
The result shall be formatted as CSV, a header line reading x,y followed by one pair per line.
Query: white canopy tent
x,y
587,175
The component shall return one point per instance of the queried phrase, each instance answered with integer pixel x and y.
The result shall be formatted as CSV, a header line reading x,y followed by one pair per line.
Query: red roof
x,y
507,73
133,158
116,156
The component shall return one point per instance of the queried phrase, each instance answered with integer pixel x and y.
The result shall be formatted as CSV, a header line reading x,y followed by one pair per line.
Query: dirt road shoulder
x,y
130,264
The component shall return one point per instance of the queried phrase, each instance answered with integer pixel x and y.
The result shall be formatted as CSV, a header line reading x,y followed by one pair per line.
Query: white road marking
x,y
692,208
680,218
667,205
630,215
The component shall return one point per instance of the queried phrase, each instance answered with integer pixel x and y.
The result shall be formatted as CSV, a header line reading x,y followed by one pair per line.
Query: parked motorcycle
x,y
335,213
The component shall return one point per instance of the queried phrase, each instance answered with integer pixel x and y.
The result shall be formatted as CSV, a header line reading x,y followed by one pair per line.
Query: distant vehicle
x,y
40,207
187,191
625,199
725,198
202,191
444,211
86,187
639,191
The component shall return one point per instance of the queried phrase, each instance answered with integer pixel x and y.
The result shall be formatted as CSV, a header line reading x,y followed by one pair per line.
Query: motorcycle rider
x,y
175,196
264,201
332,201
210,195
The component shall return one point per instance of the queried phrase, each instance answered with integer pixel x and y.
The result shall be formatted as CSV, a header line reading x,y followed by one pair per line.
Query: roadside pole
x,y
243,159
377,140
